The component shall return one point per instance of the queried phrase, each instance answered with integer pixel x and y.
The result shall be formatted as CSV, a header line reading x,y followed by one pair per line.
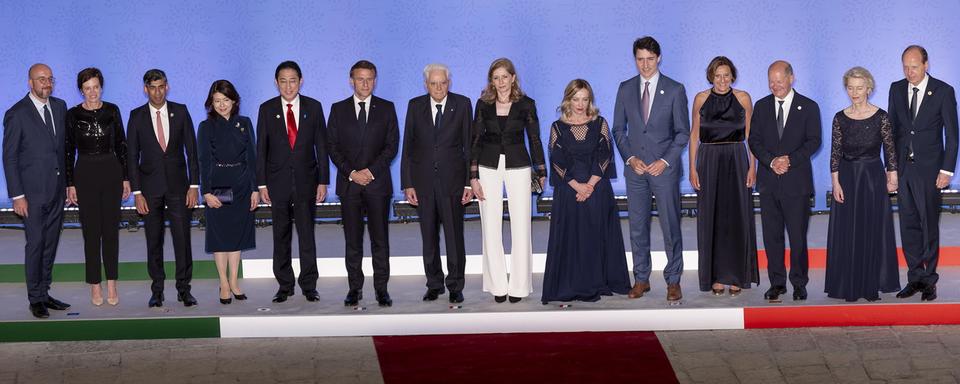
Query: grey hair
x,y
435,67
859,73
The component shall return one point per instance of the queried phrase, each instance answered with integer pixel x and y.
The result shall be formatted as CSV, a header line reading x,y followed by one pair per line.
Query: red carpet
x,y
582,357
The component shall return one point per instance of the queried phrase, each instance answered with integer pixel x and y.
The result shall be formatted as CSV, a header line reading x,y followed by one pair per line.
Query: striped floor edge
x,y
399,265
483,323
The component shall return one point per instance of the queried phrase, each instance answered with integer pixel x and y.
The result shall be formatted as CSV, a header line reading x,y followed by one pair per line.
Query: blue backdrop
x,y
551,42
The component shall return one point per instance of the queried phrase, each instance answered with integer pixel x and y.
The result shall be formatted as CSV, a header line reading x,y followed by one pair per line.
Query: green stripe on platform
x,y
76,272
75,330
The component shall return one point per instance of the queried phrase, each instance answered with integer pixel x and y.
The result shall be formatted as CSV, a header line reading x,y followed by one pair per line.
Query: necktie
x,y
160,136
913,103
645,101
291,126
48,119
362,116
436,120
780,119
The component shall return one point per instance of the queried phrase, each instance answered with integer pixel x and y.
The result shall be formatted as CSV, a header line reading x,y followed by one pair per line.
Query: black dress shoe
x,y
456,297
432,294
39,310
929,293
156,300
500,299
514,299
353,298
55,304
774,292
281,296
187,299
312,296
799,292
910,290
384,300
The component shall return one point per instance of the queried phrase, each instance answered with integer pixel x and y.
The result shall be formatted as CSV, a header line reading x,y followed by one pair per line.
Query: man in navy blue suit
x,y
784,134
33,160
923,111
651,124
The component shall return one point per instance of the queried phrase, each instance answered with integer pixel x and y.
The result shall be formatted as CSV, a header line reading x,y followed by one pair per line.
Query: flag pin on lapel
x,y
278,116
171,114
799,107
929,93
661,91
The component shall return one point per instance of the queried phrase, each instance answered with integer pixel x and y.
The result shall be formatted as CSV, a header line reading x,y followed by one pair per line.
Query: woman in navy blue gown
x,y
861,248
585,253
225,143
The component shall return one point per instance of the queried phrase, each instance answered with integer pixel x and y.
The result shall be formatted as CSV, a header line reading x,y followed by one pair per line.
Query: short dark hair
x,y
154,75
923,52
647,43
716,63
87,74
227,89
289,64
363,64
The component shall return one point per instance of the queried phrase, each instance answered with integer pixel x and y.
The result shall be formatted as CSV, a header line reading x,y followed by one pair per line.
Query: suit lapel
x,y
174,128
37,118
657,100
931,92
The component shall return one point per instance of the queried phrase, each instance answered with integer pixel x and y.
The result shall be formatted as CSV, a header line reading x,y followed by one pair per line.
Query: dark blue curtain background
x,y
551,42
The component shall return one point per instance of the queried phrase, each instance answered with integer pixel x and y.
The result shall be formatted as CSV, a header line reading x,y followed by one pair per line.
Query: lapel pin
x,y
238,124
661,91
929,93
278,116
304,115
171,114
799,107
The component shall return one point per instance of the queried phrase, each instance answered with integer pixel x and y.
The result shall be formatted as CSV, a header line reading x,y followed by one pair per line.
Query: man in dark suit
x,y
651,124
363,142
434,176
164,183
923,111
292,175
785,132
33,163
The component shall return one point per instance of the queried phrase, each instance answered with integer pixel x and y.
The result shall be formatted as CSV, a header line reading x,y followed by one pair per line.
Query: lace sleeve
x,y
604,148
836,144
558,161
889,148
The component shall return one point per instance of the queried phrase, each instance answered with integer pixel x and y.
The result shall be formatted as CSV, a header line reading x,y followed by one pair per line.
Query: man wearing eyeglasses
x,y
33,162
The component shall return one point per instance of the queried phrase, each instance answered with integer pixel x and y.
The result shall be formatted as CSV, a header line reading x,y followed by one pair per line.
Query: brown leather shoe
x,y
673,292
638,290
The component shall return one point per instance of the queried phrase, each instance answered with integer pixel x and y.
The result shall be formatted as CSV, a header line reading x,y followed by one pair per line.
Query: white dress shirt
x,y
164,118
787,103
433,107
366,106
296,111
39,106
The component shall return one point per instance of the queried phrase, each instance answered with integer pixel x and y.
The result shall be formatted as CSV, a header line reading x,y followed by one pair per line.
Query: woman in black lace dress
x,y
96,170
861,249
723,172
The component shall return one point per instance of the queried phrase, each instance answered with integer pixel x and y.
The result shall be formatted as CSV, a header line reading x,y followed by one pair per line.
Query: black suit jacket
x,y
153,171
489,141
352,148
442,152
33,157
936,119
801,138
284,170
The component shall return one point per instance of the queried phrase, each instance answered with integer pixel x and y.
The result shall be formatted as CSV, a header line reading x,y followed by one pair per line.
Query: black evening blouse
x,y
94,132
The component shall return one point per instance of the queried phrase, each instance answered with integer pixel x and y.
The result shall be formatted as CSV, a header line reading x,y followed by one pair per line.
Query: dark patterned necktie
x,y
48,119
436,120
780,119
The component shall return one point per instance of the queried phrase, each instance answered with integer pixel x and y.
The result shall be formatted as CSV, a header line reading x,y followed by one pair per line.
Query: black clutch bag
x,y
224,194
535,185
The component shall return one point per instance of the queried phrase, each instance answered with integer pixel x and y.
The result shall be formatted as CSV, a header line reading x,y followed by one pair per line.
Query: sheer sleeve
x,y
558,158
889,148
836,147
604,150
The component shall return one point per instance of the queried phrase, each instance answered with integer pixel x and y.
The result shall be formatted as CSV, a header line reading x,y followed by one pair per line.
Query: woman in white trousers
x,y
505,122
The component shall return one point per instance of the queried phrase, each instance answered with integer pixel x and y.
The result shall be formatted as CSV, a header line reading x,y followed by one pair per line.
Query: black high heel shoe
x,y
226,301
239,297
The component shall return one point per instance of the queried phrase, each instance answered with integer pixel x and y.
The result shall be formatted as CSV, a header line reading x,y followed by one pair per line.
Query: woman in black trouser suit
x,y
97,180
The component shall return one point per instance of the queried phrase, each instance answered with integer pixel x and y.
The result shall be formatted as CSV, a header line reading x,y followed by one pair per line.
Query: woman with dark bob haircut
x,y
225,144
96,171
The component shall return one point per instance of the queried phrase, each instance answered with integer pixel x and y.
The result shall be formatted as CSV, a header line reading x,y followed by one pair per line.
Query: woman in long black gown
x,y
861,249
585,252
227,154
723,172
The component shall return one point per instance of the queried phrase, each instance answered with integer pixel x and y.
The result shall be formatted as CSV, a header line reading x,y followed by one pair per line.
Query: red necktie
x,y
291,126
160,137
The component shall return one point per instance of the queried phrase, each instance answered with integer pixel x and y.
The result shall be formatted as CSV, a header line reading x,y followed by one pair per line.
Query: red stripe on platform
x,y
949,257
582,357
851,315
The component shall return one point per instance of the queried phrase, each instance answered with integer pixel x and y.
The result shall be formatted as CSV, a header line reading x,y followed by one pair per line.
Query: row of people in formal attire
x,y
451,155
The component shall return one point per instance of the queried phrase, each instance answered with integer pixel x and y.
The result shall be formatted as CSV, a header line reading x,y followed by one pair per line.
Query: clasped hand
x,y
780,164
362,177
654,169
584,190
